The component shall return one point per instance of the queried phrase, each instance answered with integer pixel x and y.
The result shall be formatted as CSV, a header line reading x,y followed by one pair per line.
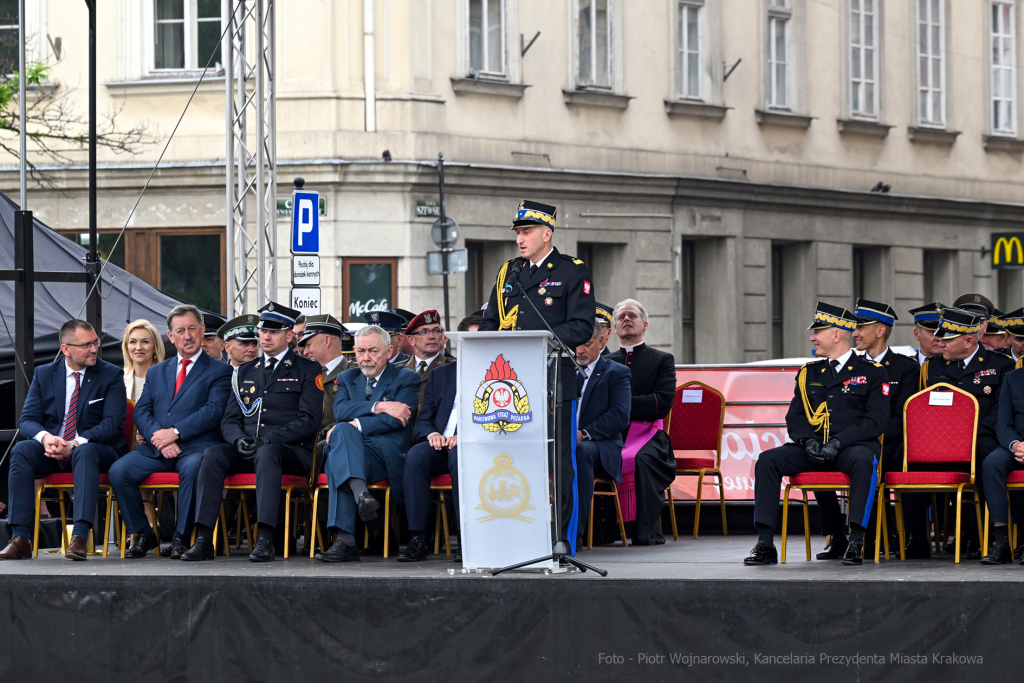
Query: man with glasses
x,y
426,333
73,421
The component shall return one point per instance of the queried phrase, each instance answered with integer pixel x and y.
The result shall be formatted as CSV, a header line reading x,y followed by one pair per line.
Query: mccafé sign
x,y
1008,250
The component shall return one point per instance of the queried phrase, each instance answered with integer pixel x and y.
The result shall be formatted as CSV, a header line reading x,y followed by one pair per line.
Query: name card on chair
x,y
940,398
693,395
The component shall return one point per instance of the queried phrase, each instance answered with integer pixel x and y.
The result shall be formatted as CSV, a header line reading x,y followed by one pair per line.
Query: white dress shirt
x,y
188,369
428,361
453,419
331,364
867,356
588,370
545,258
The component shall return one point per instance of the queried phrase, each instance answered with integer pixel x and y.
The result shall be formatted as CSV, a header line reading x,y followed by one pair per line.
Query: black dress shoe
x,y
458,556
1018,551
853,553
762,554
368,506
415,551
973,550
142,544
175,550
263,552
835,549
201,550
339,552
648,541
1000,555
918,549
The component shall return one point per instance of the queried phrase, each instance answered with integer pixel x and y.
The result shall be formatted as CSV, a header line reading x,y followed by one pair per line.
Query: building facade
x,y
727,162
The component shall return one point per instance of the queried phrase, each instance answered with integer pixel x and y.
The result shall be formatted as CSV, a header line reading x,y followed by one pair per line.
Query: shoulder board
x,y
814,362
1019,364
575,260
877,365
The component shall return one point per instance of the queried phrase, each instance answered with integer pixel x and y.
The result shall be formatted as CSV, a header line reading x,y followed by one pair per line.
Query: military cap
x,y
927,316
213,324
241,328
425,318
868,312
274,316
976,303
1013,322
534,213
407,315
604,315
348,343
956,322
995,323
320,324
388,321
827,315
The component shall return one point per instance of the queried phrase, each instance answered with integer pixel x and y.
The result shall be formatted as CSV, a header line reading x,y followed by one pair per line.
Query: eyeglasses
x,y
424,333
87,345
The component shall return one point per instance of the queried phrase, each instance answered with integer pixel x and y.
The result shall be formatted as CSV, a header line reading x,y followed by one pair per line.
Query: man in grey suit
x,y
373,410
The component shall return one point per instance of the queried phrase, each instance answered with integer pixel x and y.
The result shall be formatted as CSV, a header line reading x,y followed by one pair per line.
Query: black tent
x,y
56,303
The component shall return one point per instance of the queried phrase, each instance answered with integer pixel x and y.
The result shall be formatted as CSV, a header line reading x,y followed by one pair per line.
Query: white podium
x,y
505,500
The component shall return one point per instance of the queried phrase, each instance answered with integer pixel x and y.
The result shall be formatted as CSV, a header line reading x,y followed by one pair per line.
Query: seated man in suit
x,y
373,410
73,420
179,417
653,385
435,453
602,418
268,425
1007,457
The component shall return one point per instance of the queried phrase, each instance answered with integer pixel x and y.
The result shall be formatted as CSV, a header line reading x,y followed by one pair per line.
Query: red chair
x,y
296,491
937,433
613,491
63,482
824,481
382,485
697,426
160,483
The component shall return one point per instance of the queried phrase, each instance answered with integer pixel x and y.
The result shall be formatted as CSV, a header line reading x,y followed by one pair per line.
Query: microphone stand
x,y
561,551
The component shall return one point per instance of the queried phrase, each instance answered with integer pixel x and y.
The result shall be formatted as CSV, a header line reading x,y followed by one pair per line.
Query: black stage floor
x,y
686,610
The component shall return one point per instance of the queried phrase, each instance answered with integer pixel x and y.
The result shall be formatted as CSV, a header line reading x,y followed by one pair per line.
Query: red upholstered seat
x,y
927,478
696,426
441,480
161,479
321,480
820,479
694,463
250,480
68,479
1016,477
382,484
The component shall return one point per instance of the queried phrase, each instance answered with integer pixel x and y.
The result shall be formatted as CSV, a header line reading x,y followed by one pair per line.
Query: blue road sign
x,y
305,222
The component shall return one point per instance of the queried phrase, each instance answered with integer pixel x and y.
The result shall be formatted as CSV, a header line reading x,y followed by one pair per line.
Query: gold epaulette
x,y
1019,364
922,382
818,418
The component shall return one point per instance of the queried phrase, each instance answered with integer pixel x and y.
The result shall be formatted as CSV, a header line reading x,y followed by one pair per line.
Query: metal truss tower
x,y
249,70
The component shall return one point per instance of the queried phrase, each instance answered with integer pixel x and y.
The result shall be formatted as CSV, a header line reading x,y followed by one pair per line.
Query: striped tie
x,y
71,428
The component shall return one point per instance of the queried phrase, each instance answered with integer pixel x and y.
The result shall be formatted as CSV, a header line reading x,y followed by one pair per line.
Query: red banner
x,y
757,398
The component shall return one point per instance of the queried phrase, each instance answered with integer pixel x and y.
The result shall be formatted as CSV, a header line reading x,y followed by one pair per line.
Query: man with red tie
x,y
73,421
179,416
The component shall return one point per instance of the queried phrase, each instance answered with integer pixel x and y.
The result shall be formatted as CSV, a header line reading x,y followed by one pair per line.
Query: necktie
x,y
580,381
181,375
422,368
71,428
960,364
533,270
371,382
834,364
269,369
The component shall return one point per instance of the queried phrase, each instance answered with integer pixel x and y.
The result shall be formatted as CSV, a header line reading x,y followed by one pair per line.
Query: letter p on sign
x,y
305,222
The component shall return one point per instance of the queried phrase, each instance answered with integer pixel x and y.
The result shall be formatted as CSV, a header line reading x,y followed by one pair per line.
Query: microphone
x,y
513,278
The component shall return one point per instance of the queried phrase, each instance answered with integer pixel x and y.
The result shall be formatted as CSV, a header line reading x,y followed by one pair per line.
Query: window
x,y
185,34
689,295
779,15
487,37
864,58
595,46
690,49
931,77
939,274
9,36
1004,68
368,284
778,273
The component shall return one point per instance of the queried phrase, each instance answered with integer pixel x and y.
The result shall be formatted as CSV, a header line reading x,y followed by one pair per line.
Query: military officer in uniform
x,y
322,343
979,372
840,408
241,340
926,321
604,317
394,324
426,333
270,420
213,342
560,288
1013,323
874,326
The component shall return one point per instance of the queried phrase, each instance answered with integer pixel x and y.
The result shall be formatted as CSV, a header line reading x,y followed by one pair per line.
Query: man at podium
x,y
560,289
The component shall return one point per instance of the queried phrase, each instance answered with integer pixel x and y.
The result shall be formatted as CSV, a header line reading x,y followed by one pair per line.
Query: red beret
x,y
424,318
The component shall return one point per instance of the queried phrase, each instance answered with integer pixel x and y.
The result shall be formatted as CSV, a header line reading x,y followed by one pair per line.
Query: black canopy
x,y
56,303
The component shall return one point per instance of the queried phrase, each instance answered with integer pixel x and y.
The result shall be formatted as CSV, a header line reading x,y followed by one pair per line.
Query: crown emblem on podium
x,y
504,492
